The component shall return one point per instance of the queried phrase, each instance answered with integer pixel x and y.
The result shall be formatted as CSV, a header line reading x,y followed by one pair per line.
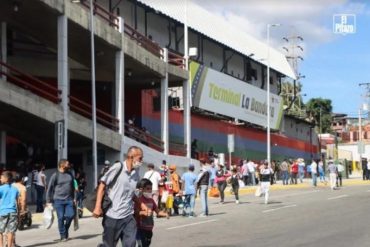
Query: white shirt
x,y
341,168
368,165
41,175
251,166
314,167
154,177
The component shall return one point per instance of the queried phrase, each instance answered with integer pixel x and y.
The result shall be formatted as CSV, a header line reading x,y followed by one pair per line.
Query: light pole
x,y
93,96
268,92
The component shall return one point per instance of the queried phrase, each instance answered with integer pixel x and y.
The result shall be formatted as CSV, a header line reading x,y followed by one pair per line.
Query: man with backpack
x,y
118,221
61,193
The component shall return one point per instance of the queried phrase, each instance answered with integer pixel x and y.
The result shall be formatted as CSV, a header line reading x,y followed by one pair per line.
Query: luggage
x,y
213,192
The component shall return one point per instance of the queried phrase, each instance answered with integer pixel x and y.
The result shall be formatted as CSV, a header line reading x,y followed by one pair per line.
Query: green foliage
x,y
313,107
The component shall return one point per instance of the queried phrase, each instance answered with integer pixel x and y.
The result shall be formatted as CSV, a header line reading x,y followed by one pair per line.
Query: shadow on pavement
x,y
84,237
43,244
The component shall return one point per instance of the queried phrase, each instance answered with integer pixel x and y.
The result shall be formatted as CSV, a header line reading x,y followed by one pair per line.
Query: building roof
x,y
217,28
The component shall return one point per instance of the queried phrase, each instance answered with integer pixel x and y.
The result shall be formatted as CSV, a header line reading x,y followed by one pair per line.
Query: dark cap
x,y
151,165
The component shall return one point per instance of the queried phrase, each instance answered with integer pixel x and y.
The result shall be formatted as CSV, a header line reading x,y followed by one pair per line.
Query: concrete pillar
x,y
3,147
63,80
187,117
164,107
3,46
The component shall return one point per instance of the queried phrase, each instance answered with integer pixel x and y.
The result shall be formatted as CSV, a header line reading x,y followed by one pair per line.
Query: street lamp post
x,y
93,96
268,93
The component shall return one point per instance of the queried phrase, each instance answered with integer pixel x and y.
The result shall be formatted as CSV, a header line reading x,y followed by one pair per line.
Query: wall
x,y
249,142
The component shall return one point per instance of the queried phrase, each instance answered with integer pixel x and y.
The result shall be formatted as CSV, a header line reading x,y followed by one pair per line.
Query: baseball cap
x,y
107,163
191,166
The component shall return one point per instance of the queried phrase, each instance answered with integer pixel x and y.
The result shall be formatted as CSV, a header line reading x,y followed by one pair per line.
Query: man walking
x,y
8,208
119,221
61,193
188,186
301,167
332,169
155,178
251,170
284,172
314,173
340,169
202,184
175,179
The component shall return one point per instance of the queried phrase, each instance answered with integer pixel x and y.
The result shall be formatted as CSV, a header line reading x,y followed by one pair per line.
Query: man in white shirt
x,y
314,173
155,178
251,169
245,172
340,169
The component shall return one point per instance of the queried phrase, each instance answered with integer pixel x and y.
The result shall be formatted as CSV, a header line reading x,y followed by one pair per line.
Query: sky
x,y
333,64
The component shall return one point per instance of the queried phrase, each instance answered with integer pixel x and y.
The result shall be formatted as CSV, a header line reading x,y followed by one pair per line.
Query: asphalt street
x,y
301,216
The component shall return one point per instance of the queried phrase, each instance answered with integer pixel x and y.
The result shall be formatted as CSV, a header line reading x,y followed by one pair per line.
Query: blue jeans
x,y
204,198
79,198
65,214
40,198
314,179
189,203
301,176
252,178
285,175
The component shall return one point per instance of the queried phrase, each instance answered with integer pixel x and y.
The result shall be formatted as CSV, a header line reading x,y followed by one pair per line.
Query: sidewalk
x,y
307,183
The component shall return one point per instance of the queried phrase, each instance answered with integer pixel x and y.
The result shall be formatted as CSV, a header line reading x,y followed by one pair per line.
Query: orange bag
x,y
213,192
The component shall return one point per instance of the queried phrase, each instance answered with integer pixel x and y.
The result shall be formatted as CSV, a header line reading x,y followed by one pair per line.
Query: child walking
x,y
145,222
8,208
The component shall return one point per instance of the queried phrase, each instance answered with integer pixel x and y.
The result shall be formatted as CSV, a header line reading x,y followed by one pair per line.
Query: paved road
x,y
304,216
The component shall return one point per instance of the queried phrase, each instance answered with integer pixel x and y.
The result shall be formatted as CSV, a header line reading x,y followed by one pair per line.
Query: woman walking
x,y
40,188
221,181
234,180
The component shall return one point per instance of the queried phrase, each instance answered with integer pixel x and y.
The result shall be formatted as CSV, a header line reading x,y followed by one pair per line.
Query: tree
x,y
292,98
313,107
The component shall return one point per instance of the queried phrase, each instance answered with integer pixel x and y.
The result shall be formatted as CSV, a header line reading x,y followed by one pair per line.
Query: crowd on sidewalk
x,y
162,191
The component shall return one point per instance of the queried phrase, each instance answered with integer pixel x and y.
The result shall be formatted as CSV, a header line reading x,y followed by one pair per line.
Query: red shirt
x,y
146,222
294,168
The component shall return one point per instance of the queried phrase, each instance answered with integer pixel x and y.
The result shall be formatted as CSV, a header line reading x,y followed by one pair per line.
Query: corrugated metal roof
x,y
220,30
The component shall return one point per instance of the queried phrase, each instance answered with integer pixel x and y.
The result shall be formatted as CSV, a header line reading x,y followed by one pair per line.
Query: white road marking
x,y
274,209
295,194
337,197
192,224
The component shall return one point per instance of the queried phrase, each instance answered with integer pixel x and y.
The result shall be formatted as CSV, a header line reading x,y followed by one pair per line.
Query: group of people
x,y
12,207
63,192
134,200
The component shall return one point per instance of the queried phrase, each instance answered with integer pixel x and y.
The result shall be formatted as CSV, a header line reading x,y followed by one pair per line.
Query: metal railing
x,y
177,149
100,11
30,83
85,110
143,41
176,59
144,137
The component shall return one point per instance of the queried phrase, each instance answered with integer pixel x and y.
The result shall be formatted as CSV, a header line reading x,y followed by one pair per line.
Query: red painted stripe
x,y
214,125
